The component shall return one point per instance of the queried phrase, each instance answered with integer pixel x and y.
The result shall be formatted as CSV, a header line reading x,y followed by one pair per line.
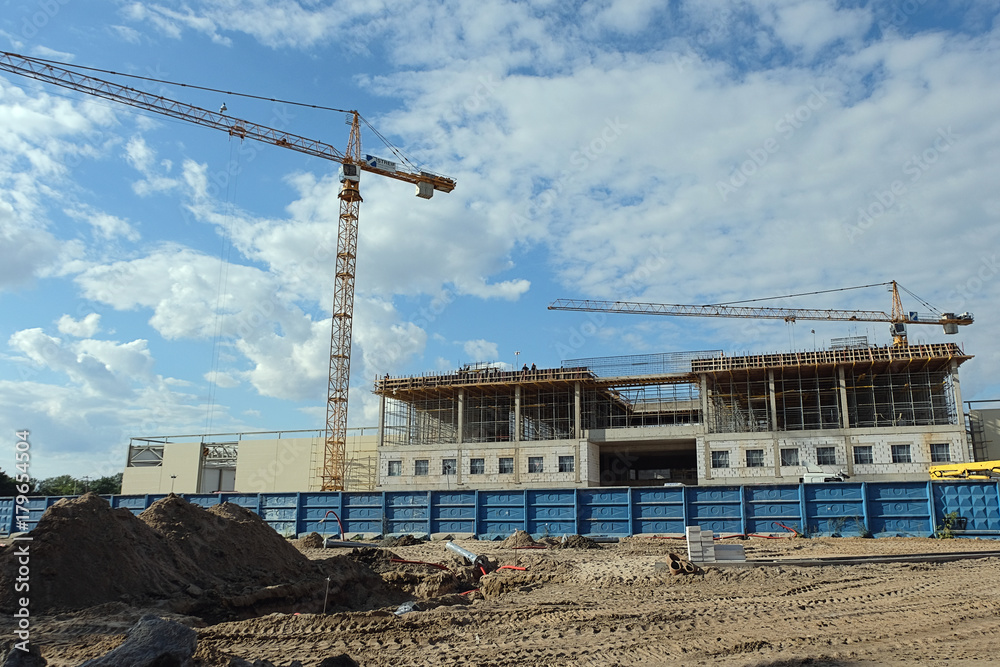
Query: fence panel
x,y
716,508
879,509
280,511
657,510
453,512
320,513
551,512
407,513
976,505
899,509
835,509
501,513
604,512
769,508
7,509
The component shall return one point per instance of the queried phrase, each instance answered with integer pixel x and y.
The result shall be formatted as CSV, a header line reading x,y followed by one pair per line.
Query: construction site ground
x,y
589,604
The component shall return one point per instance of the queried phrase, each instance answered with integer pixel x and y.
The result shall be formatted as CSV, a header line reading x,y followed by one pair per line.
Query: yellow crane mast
x,y
352,161
898,319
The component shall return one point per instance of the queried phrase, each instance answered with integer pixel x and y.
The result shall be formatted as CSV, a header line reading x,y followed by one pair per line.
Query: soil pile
x,y
311,541
577,542
84,553
379,560
223,562
518,538
229,543
401,541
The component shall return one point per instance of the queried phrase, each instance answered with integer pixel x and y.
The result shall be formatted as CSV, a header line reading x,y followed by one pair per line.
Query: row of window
x,y
505,466
940,453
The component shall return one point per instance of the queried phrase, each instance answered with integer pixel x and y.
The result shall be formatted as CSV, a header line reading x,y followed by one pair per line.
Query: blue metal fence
x,y
848,509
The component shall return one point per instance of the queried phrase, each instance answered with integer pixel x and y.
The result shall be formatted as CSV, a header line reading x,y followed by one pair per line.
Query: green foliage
x,y
67,485
112,484
946,530
63,485
8,487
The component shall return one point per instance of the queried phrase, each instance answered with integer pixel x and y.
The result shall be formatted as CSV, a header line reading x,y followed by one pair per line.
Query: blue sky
x,y
160,277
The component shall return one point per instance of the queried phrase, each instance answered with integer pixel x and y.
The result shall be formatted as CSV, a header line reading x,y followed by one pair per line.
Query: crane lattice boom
x,y
898,316
335,449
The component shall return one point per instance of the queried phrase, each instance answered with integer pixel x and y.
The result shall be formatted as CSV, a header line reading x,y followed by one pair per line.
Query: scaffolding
x,y
796,391
642,406
633,365
901,398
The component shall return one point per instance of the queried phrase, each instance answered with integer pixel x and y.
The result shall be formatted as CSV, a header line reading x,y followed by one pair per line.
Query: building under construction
x,y
882,413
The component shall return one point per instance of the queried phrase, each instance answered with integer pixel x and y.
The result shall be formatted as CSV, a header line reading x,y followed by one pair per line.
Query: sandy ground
x,y
618,605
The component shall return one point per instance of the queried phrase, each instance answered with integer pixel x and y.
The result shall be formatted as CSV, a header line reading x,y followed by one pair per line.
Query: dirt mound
x,y
311,541
518,538
379,560
401,541
84,553
229,543
219,563
577,542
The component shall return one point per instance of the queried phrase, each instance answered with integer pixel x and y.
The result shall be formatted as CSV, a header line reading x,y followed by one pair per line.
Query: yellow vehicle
x,y
970,470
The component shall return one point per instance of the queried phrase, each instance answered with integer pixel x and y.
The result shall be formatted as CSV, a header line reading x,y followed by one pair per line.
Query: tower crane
x,y
352,162
897,320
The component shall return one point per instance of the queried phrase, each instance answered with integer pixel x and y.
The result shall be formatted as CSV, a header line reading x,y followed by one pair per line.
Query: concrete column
x,y
577,418
960,409
517,434
581,445
461,429
703,390
705,421
849,459
776,448
707,457
774,402
381,423
461,416
845,419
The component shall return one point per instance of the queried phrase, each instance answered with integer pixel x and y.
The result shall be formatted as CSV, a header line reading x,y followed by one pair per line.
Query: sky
x,y
159,277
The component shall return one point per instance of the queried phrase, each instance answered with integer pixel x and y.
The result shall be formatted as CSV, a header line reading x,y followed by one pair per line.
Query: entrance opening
x,y
649,465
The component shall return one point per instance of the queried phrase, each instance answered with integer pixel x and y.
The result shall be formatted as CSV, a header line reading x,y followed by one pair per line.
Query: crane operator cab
x,y
349,172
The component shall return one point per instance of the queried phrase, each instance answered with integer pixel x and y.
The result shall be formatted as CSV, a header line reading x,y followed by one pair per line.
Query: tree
x,y
111,484
8,487
63,485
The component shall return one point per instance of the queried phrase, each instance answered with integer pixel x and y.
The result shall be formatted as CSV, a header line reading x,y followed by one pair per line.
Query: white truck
x,y
818,475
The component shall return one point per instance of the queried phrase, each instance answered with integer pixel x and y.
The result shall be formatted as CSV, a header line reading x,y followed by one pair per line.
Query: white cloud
x,y
480,350
143,159
86,327
51,54
220,379
193,296
810,26
100,368
126,34
106,226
